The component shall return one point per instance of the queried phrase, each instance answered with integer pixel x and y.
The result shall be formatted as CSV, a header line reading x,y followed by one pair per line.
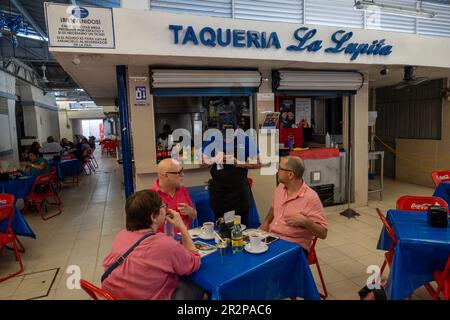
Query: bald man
x,y
296,213
169,185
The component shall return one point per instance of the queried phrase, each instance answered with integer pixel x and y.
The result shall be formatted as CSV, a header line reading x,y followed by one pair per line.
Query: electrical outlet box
x,y
315,176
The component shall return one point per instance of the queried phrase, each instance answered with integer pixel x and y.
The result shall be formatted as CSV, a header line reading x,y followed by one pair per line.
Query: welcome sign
x,y
305,40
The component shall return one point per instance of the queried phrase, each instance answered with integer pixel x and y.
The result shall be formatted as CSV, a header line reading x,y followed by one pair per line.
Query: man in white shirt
x,y
50,148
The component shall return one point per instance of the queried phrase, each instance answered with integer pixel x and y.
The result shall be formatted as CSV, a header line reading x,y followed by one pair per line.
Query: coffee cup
x,y
255,241
208,229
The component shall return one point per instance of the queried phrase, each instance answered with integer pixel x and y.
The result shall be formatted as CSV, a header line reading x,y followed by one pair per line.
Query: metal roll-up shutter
x,y
333,13
380,20
215,8
268,10
440,24
204,82
309,80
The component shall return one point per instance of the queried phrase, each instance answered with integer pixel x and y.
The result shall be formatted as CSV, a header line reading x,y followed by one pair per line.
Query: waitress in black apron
x,y
229,188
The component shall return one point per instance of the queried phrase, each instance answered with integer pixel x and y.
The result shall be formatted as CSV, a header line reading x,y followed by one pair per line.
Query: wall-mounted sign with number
x,y
141,96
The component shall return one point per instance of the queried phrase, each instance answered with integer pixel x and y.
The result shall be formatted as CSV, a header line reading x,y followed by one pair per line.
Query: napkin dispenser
x,y
224,228
437,217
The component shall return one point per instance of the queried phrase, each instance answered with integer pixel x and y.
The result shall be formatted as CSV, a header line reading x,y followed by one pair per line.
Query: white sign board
x,y
79,27
141,95
303,110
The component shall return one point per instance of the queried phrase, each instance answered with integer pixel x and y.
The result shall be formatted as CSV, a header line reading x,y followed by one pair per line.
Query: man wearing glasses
x,y
297,213
169,185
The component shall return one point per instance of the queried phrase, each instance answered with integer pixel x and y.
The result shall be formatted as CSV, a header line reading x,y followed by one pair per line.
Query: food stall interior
x,y
308,120
311,128
198,114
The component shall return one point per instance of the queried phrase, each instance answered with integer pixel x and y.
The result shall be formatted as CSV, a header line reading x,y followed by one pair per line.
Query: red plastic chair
x,y
419,203
55,182
389,255
95,292
312,259
7,212
41,199
440,176
442,278
111,147
6,198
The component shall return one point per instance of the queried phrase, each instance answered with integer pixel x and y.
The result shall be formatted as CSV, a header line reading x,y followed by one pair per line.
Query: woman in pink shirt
x,y
151,271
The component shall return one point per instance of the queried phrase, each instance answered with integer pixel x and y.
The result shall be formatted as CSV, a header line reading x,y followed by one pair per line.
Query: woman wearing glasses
x,y
169,186
151,271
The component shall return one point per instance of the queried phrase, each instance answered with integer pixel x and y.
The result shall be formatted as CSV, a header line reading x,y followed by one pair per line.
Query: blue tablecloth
x,y
67,168
19,225
420,251
200,198
443,191
19,188
278,273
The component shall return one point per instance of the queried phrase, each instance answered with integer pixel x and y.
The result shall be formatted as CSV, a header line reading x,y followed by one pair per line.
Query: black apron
x,y
229,190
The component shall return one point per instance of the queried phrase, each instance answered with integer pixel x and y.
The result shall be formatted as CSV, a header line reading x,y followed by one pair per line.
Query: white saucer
x,y
205,237
261,249
194,233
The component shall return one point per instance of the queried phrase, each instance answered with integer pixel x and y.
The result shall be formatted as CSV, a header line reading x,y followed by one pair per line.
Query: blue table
x,y
420,251
278,273
200,198
67,168
19,188
19,225
443,191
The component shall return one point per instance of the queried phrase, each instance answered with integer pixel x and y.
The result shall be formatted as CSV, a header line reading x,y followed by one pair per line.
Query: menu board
x,y
303,110
271,120
287,112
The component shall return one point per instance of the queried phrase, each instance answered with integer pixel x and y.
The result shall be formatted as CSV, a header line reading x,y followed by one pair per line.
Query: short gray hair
x,y
296,165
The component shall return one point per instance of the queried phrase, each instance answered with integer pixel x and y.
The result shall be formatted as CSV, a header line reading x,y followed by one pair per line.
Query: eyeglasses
x,y
289,170
180,173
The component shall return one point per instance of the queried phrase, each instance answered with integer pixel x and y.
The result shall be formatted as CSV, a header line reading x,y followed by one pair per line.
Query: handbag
x,y
124,256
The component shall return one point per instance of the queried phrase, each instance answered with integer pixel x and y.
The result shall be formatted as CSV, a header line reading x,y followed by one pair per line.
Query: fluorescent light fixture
x,y
392,9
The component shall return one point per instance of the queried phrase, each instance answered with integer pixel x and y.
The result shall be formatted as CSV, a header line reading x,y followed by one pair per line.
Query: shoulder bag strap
x,y
124,256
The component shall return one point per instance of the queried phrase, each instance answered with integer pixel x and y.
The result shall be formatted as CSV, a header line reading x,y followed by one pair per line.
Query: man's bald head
x,y
168,165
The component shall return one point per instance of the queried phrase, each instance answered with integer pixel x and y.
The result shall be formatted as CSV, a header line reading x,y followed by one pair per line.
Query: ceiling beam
x,y
29,18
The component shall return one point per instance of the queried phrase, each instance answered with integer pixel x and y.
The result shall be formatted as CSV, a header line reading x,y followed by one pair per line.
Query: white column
x,y
263,185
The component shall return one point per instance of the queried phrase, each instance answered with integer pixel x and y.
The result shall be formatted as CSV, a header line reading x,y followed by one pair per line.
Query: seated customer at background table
x,y
37,164
152,269
51,149
169,185
297,213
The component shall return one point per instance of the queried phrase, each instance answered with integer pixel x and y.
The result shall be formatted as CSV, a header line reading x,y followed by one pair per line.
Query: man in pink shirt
x,y
169,185
297,213
151,271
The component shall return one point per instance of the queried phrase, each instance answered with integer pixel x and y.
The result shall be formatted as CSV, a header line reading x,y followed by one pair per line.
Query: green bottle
x,y
237,240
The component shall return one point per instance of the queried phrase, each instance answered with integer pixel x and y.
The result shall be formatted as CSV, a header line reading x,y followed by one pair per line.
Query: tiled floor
x,y
93,214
